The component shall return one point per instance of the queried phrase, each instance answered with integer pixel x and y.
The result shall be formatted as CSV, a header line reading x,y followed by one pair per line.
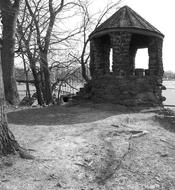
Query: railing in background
x,y
69,85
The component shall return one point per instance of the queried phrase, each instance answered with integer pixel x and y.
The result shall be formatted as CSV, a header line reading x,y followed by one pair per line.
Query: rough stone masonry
x,y
123,34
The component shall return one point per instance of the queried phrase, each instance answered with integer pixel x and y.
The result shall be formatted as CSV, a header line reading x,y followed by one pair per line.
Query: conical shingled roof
x,y
126,19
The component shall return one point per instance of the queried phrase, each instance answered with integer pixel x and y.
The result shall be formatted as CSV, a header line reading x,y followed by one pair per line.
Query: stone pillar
x,y
155,57
133,51
159,57
99,54
121,59
1,78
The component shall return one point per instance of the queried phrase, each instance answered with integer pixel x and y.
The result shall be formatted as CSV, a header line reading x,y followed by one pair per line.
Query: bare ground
x,y
92,147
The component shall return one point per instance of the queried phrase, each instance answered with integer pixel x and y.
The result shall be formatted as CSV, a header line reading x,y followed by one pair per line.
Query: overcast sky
x,y
160,14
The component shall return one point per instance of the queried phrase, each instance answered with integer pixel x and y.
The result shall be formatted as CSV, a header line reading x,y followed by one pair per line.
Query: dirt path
x,y
87,148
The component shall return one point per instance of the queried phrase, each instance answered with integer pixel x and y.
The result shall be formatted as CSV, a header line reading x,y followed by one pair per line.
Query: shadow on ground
x,y
62,115
167,123
166,119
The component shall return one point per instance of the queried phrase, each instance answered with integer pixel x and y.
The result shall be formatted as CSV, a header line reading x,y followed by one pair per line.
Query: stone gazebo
x,y
113,47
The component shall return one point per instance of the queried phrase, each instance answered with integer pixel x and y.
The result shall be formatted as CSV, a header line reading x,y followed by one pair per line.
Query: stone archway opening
x,y
142,59
110,60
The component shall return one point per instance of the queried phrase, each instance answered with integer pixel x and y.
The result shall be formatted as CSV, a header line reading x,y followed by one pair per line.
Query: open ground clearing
x,y
92,147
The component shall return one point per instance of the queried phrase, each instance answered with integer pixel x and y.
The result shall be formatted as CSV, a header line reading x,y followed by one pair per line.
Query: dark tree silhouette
x,y
8,144
9,13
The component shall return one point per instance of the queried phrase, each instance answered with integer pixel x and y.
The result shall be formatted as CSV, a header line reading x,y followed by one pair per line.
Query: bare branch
x,y
36,24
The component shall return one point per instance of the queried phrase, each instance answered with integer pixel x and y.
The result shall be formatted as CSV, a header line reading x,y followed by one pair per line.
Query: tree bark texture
x,y
8,144
47,89
27,78
9,17
37,86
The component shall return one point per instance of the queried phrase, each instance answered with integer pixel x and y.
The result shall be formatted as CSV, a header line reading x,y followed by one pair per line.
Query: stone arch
x,y
142,59
154,46
124,46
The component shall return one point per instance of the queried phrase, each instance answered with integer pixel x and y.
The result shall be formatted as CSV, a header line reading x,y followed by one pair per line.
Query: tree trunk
x,y
37,80
37,86
83,70
8,144
27,78
48,89
47,83
83,62
8,33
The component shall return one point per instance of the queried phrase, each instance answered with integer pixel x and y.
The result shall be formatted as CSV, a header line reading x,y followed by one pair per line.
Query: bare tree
x,y
27,49
38,39
89,23
9,13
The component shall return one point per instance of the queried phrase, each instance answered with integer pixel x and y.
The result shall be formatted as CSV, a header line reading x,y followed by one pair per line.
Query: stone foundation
x,y
129,91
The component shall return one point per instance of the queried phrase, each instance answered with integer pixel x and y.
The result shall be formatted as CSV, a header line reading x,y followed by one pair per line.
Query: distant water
x,y
169,93
22,90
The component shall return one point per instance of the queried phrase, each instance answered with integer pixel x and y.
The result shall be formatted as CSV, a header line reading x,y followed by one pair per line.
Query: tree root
x,y
25,155
8,144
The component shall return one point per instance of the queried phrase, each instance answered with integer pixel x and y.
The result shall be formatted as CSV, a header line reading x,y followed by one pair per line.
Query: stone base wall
x,y
129,91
